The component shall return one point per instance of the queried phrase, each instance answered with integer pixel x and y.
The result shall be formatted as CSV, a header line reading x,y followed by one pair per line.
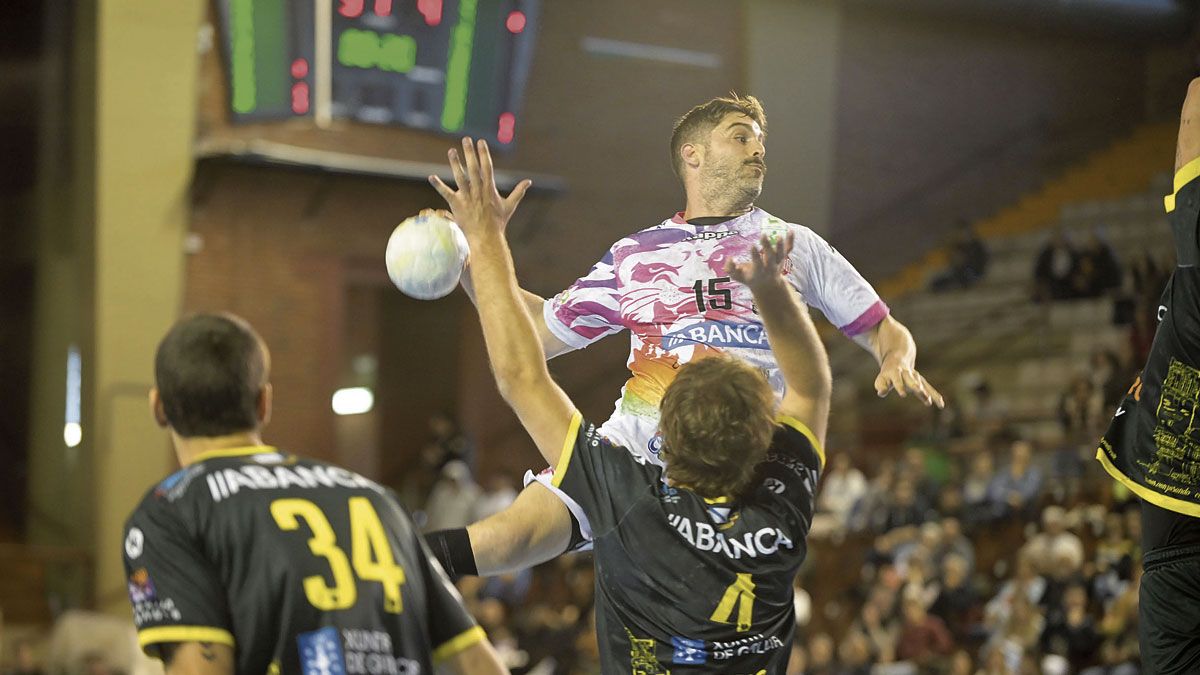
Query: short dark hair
x,y
210,370
718,417
700,121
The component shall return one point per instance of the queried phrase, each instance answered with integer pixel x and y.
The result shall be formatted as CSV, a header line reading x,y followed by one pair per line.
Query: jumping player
x,y
251,560
1153,443
694,562
667,285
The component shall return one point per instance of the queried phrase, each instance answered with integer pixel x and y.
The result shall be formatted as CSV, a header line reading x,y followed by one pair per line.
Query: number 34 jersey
x,y
300,566
667,285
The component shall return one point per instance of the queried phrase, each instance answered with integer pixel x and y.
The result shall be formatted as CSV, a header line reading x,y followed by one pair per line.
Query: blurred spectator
x,y
1070,632
876,622
1096,268
1053,271
1015,489
821,655
25,662
961,663
906,508
976,506
450,440
1026,585
954,542
985,413
1055,543
854,654
842,487
452,501
872,507
968,261
499,494
798,662
1081,409
1109,376
1062,573
923,637
957,603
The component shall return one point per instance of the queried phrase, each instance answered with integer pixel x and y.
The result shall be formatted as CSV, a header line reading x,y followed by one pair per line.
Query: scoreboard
x,y
452,66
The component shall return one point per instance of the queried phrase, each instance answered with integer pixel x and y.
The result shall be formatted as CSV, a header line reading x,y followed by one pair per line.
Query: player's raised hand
x,y
477,205
765,264
901,377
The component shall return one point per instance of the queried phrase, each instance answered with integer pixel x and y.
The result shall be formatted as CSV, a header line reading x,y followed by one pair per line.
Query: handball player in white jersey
x,y
666,286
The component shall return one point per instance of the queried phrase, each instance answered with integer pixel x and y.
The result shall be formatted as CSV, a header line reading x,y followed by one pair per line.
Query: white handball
x,y
425,256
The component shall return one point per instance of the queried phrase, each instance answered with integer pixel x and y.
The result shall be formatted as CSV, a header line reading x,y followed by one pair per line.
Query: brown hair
x,y
717,422
700,120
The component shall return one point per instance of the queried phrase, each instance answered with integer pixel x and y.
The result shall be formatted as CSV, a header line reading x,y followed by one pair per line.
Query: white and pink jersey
x,y
667,285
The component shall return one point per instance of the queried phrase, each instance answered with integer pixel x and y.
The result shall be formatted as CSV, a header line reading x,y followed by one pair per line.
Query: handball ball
x,y
425,256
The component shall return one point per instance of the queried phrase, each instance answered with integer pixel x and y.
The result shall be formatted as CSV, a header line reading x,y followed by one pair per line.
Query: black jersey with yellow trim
x,y
1153,443
298,565
688,584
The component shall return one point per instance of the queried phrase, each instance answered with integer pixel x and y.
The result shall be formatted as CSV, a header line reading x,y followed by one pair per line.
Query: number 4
x,y
741,594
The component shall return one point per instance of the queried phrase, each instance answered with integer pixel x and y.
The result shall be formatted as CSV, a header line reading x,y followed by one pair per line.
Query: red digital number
x,y
351,9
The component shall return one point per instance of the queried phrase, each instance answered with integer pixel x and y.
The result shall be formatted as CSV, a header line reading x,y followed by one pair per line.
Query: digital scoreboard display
x,y
452,66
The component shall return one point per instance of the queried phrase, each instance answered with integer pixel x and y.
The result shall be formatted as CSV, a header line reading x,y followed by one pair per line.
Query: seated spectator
x,y
854,655
1053,270
876,621
1081,409
976,506
452,501
1026,584
968,261
821,655
1015,489
871,510
954,542
1021,632
1055,543
905,509
1109,376
957,602
499,494
1063,572
1096,268
961,663
842,487
1070,632
923,637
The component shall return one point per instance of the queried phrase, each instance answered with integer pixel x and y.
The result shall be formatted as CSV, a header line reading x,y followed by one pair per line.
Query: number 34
x,y
369,547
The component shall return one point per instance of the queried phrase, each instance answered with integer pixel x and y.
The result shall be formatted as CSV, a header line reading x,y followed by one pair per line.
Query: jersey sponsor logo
x,y
141,588
807,474
655,444
668,494
688,652
711,236
1162,312
755,644
1120,411
177,483
321,652
718,334
135,543
224,483
642,659
155,611
705,537
774,485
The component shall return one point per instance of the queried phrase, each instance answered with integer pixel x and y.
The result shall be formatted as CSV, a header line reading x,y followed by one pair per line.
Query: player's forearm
x,y
512,342
891,340
794,341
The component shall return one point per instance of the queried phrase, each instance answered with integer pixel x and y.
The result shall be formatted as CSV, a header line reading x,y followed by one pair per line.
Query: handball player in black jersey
x,y
251,560
1153,443
694,562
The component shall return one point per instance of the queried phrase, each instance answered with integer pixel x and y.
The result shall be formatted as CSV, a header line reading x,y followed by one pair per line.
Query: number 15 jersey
x,y
300,566
667,285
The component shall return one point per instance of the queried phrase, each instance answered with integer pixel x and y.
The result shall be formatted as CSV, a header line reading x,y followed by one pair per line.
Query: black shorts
x,y
1169,611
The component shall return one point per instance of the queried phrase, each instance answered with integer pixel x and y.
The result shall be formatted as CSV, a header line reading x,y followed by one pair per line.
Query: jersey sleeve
x,y
588,309
451,628
792,470
175,591
1183,212
831,284
601,477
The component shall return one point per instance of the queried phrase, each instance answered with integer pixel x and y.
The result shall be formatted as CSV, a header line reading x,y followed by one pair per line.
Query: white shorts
x,y
639,435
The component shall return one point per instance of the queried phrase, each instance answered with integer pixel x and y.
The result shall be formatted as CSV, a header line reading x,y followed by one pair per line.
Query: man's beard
x,y
730,186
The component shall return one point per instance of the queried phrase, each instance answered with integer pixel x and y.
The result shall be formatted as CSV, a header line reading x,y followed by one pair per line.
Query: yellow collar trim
x,y
234,452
